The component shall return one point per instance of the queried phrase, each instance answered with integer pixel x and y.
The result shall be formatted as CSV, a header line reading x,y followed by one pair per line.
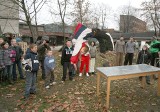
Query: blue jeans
x,y
8,72
19,65
30,86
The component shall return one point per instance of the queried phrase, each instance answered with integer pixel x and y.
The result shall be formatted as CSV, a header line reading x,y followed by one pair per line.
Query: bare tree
x,y
61,12
151,10
30,10
81,11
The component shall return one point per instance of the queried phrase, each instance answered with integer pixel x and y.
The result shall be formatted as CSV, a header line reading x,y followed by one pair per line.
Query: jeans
x,y
19,65
128,58
8,72
49,78
69,66
30,86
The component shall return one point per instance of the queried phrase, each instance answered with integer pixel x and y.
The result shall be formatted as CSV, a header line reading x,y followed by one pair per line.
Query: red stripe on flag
x,y
77,28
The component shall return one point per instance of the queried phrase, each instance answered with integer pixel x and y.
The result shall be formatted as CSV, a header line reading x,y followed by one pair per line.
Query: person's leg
x,y
64,71
28,84
19,64
52,76
93,65
47,79
10,74
33,87
14,72
131,55
121,59
90,66
81,66
118,58
148,79
126,59
70,71
4,76
87,64
43,70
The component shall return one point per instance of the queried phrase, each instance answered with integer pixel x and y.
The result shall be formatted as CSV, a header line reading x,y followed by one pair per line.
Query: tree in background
x,y
61,11
28,12
151,10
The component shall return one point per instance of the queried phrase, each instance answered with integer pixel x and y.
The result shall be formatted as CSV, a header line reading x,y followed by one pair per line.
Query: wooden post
x,y
98,83
158,91
108,92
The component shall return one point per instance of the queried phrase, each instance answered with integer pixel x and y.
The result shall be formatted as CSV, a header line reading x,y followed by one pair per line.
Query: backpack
x,y
13,55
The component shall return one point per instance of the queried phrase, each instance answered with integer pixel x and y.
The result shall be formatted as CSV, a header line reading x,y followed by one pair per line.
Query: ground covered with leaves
x,y
80,95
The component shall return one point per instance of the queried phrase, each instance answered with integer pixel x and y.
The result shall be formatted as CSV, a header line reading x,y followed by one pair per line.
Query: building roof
x,y
145,35
41,33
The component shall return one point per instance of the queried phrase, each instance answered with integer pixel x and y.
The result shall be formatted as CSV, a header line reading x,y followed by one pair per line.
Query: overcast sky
x,y
45,16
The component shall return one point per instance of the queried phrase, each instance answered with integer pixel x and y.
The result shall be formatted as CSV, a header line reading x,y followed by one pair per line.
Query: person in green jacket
x,y
154,51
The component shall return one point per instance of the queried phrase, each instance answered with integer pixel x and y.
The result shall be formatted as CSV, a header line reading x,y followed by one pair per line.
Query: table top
x,y
127,70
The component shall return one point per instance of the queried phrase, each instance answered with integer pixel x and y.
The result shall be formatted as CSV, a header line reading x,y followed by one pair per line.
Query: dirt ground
x,y
80,95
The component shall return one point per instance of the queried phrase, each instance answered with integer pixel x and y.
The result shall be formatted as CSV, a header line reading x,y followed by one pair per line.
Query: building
x,y
131,24
56,36
9,17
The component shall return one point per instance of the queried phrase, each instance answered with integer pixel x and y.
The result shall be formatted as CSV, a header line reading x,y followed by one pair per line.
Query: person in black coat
x,y
144,57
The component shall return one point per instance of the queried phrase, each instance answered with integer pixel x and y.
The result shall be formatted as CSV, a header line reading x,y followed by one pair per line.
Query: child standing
x,y
31,66
93,58
7,62
49,65
84,58
65,60
144,57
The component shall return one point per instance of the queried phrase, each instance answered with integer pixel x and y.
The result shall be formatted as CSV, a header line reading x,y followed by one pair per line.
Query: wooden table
x,y
125,72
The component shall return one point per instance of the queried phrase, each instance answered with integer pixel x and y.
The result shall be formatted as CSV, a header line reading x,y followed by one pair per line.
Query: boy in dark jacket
x,y
49,65
31,67
65,60
144,57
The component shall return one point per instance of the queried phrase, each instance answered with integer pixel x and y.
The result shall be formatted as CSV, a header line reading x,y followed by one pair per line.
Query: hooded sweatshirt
x,y
49,64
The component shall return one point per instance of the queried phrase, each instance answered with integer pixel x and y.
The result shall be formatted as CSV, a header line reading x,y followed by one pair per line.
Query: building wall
x,y
9,15
131,24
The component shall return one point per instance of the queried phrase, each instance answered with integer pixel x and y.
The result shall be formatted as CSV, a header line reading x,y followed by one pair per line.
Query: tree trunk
x,y
28,19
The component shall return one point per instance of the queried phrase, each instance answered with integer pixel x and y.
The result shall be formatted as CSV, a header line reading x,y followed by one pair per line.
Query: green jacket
x,y
154,50
42,51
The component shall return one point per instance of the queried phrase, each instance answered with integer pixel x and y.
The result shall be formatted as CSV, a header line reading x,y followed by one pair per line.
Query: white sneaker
x,y
87,74
53,83
80,74
47,87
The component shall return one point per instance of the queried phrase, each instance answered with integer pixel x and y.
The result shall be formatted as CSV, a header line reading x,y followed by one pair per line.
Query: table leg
x,y
143,82
158,91
108,92
98,83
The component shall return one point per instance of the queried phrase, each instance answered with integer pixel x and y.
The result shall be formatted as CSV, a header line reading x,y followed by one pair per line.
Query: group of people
x,y
10,57
13,58
147,55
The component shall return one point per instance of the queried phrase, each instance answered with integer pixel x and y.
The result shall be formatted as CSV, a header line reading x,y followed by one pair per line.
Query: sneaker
x,y
47,87
53,83
80,74
87,74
